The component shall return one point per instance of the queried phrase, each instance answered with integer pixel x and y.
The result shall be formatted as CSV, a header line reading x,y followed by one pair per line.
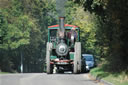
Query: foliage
x,y
85,21
111,30
15,28
18,29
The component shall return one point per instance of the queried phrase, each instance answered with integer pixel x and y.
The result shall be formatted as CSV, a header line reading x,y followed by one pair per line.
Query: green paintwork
x,y
53,57
71,55
54,45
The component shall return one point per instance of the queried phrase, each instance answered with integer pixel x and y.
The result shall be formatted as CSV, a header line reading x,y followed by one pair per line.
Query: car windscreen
x,y
88,58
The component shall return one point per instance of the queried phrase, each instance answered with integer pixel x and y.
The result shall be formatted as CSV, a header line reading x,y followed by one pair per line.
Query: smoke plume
x,y
60,7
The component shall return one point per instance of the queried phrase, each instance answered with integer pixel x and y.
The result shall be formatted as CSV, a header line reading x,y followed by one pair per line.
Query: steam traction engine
x,y
63,48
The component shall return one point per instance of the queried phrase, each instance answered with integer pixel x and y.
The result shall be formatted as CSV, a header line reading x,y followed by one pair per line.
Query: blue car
x,y
89,60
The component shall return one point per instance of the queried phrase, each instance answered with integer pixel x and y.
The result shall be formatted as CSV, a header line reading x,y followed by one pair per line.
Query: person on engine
x,y
72,35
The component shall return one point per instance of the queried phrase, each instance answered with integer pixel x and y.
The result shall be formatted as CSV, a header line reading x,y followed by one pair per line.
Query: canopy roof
x,y
67,26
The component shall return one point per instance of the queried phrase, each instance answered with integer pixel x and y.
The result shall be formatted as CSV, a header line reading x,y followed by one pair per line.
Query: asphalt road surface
x,y
44,79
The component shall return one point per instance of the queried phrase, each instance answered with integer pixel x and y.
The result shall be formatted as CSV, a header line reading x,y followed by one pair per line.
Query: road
x,y
44,79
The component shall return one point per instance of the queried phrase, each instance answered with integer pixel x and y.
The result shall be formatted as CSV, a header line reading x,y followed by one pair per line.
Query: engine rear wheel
x,y
78,46
77,58
49,66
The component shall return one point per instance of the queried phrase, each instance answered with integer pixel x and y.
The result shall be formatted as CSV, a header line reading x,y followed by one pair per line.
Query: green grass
x,y
3,72
115,78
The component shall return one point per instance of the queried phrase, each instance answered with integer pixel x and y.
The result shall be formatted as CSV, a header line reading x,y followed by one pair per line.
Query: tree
x,y
111,30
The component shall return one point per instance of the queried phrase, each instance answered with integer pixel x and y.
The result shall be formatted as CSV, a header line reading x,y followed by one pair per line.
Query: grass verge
x,y
114,78
3,72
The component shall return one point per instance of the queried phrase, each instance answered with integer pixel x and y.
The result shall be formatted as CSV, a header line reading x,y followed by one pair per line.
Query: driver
x,y
72,33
